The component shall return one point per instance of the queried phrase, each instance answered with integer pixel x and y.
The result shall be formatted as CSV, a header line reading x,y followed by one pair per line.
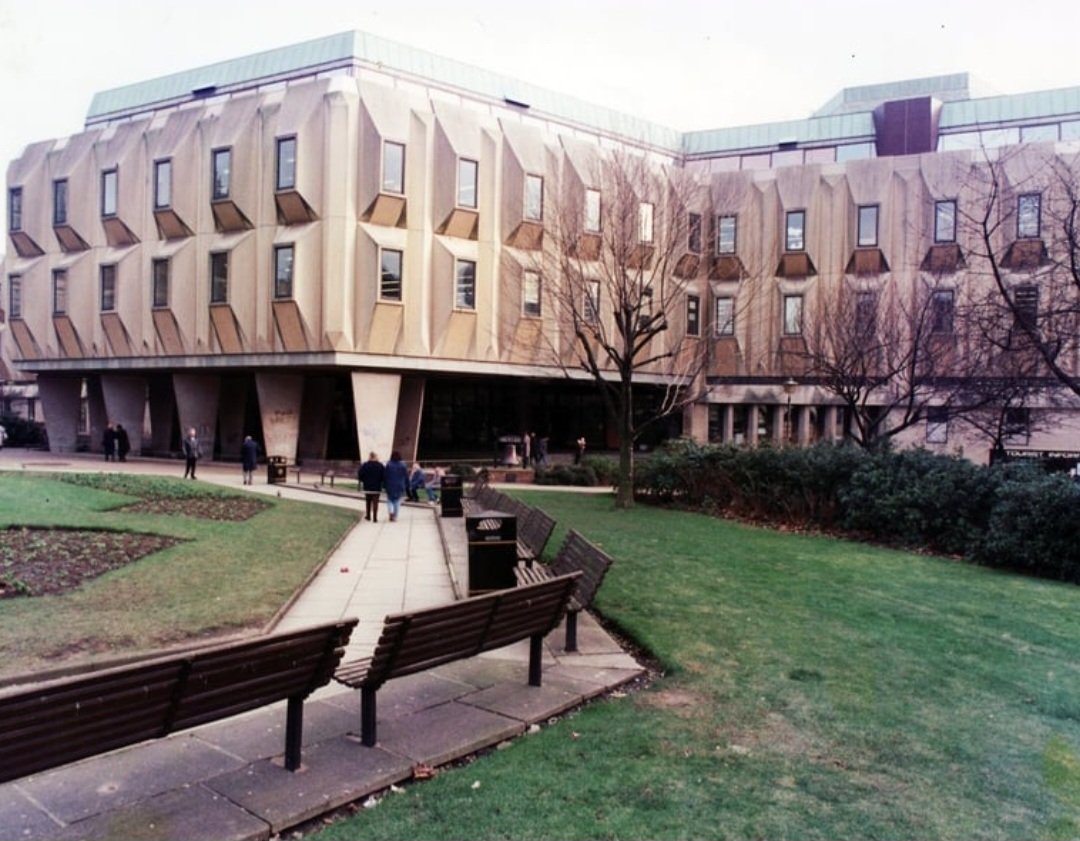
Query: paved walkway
x,y
225,781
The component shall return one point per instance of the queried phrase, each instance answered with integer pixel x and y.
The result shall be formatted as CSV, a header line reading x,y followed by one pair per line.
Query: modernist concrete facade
x,y
329,245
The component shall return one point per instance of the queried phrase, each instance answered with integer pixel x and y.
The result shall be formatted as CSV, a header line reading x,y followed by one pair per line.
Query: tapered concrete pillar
x,y
779,424
830,423
96,414
280,396
125,404
231,409
696,422
60,401
803,425
727,421
196,404
162,408
315,412
752,424
375,399
407,425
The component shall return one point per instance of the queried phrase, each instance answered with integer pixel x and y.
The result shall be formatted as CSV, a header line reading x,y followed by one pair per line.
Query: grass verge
x,y
816,688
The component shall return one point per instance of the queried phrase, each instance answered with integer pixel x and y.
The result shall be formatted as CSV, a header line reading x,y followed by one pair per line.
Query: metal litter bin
x,y
450,495
492,537
275,470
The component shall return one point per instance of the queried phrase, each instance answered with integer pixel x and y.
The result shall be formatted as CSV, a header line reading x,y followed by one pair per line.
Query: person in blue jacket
x,y
396,482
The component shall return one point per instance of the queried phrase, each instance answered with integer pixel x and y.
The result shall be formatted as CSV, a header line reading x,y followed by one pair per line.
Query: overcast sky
x,y
687,64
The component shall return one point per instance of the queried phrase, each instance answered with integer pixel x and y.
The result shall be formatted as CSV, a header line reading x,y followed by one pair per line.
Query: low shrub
x,y
23,433
566,474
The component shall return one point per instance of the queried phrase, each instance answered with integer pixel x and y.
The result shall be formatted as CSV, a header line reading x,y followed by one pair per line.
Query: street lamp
x,y
789,387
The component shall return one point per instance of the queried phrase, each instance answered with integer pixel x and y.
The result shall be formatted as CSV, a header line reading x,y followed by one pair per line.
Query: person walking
x,y
249,456
108,442
370,476
192,453
396,481
542,451
123,443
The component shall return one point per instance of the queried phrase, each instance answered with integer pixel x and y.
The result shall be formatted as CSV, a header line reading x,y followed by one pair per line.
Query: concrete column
x,y
407,423
727,419
162,408
803,425
751,424
125,404
197,404
280,396
778,423
317,405
830,423
696,422
231,411
96,414
375,400
60,400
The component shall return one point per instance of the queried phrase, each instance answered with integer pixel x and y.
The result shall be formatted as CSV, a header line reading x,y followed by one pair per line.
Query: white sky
x,y
687,64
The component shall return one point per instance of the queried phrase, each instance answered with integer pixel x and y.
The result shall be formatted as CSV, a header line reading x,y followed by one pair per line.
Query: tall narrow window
x,y
693,233
941,311
865,313
868,226
219,277
1027,216
60,201
726,229
15,209
15,295
1017,424
725,317
108,288
390,262
795,231
466,182
590,309
1026,306
592,211
465,285
285,178
937,425
159,283
393,167
693,315
162,184
221,173
530,294
59,291
109,184
645,222
283,271
793,315
945,221
534,198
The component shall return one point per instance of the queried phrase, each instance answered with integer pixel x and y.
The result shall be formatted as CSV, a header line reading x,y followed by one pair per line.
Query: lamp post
x,y
789,389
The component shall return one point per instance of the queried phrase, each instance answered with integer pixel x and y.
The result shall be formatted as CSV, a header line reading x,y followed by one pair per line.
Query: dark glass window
x,y
865,312
467,178
591,303
1026,304
941,311
945,221
465,285
15,209
393,171
390,263
592,211
793,315
795,231
725,317
530,294
221,173
159,283
219,277
15,295
108,288
1028,208
534,198
285,177
868,226
725,234
59,289
60,201
283,271
693,233
162,184
109,185
693,315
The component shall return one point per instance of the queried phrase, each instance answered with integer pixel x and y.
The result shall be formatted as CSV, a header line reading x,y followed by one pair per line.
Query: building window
x,y
393,167
865,313
285,169
725,316
945,221
467,174
162,184
868,226
15,209
15,295
219,277
534,198
221,173
795,231
793,315
60,201
1017,425
645,222
693,233
693,315
592,211
109,184
390,262
159,283
283,271
108,288
937,425
941,311
726,229
1027,216
465,285
1026,306
530,294
59,291
590,309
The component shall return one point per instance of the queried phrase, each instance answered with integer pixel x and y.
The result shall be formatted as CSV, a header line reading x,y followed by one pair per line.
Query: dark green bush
x,y
566,474
606,468
23,433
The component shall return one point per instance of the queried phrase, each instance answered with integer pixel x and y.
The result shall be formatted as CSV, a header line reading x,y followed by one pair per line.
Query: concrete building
x,y
334,246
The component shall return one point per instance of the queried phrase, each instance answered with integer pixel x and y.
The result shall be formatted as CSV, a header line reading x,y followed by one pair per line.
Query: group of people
x,y
398,481
534,450
116,443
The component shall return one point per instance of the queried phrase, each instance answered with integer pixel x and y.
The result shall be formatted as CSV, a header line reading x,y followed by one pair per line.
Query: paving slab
x,y
437,735
528,703
21,818
403,696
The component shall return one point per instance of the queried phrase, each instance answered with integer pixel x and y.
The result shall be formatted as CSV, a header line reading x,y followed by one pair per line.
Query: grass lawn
x,y
815,688
224,576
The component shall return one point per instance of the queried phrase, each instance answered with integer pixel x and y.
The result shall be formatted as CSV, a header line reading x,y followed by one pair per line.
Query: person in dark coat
x,y
123,443
396,481
192,452
108,442
370,476
249,456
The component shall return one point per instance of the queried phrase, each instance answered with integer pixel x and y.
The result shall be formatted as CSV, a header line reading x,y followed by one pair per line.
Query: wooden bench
x,y
325,469
577,554
60,721
534,531
420,640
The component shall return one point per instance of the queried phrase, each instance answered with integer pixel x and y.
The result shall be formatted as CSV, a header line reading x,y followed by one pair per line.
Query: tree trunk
x,y
624,493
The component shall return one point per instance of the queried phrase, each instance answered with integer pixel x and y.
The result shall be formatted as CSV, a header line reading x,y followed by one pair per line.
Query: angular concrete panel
x,y
60,399
280,396
375,400
125,404
197,405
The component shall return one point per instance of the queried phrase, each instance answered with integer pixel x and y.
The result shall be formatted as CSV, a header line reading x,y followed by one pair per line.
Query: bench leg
x,y
294,733
571,630
367,717
536,658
